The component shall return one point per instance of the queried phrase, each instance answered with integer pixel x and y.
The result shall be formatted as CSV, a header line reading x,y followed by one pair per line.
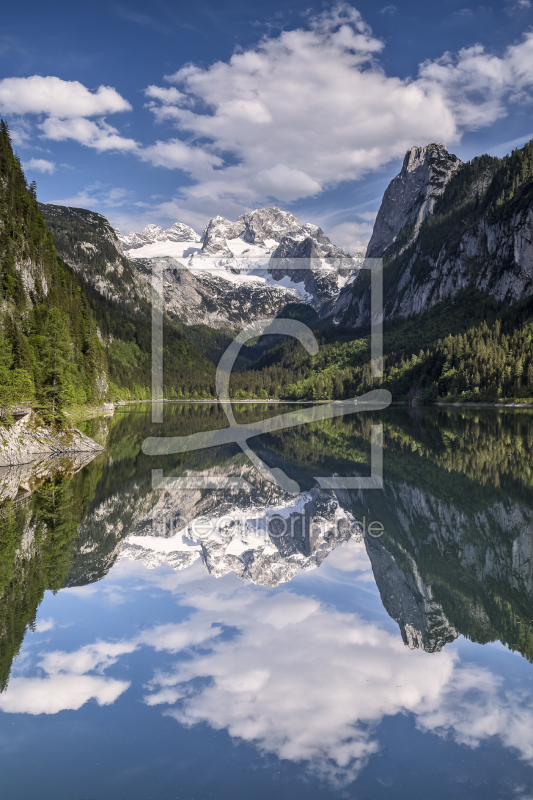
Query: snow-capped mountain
x,y
257,531
178,232
265,537
239,271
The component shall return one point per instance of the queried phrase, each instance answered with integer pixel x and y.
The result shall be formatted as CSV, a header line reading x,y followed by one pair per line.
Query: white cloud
x,y
351,557
388,10
45,625
99,135
521,5
98,656
58,98
477,85
40,165
464,13
170,95
261,685
306,109
298,679
351,236
175,154
504,148
368,216
56,693
97,195
21,132
66,105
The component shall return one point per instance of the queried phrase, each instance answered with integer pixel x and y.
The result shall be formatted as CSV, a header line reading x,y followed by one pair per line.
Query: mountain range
x,y
456,243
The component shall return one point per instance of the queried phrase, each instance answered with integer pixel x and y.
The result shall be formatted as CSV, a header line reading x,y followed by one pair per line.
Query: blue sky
x,y
222,107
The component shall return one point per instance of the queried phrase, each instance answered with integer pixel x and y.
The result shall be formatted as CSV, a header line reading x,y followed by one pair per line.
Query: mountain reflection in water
x,y
280,638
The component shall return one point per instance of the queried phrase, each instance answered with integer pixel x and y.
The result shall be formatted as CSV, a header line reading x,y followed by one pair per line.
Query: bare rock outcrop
x,y
28,440
410,197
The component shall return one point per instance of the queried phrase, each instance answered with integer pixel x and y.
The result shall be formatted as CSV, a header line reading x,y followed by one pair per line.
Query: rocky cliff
x,y
443,227
411,196
409,600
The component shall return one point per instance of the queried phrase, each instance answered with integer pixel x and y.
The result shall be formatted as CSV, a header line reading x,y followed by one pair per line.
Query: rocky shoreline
x,y
28,440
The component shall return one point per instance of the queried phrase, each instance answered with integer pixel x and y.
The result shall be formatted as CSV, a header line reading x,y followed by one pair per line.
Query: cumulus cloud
x,y
298,113
67,106
261,685
176,154
53,694
66,684
58,98
97,134
477,85
40,165
171,95
309,108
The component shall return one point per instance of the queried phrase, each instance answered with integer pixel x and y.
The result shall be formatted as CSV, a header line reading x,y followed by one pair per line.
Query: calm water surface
x,y
241,642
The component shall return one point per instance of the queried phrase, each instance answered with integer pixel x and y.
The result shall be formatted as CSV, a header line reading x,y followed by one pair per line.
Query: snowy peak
x,y
216,235
178,232
258,533
266,224
269,229
262,230
411,196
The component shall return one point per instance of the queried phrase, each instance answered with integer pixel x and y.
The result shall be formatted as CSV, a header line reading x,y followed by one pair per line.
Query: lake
x,y
180,627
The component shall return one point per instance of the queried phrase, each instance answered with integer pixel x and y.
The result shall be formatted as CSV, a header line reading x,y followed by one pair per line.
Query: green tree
x,y
56,380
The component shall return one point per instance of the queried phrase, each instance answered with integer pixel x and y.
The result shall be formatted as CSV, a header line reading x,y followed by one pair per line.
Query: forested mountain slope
x,y
49,348
119,293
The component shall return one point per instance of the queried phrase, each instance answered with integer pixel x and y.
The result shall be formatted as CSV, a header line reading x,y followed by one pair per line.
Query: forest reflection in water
x,y
455,556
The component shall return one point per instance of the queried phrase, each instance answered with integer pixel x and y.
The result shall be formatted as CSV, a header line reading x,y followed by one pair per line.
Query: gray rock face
x,y
309,242
178,232
307,256
255,227
490,248
218,286
28,441
496,258
17,482
409,601
489,549
98,255
268,224
209,298
217,231
241,530
411,195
